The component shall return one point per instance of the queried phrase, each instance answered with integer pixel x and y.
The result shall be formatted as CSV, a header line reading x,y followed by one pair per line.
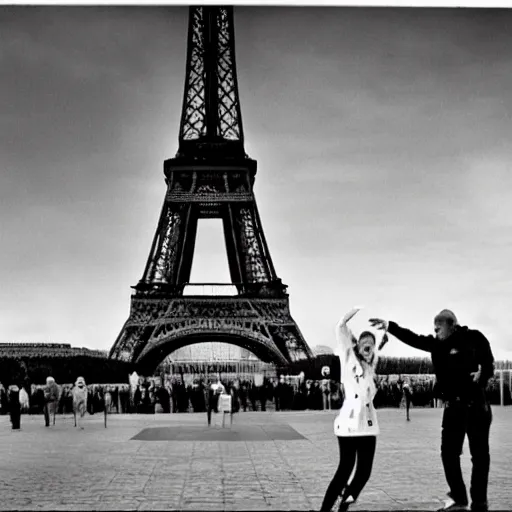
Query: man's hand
x,y
385,339
379,323
476,375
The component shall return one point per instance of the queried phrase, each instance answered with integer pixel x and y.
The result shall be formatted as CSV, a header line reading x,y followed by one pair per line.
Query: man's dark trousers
x,y
473,419
213,401
46,412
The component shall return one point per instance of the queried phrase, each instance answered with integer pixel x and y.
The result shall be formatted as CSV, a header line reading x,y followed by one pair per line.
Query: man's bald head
x,y
445,323
446,316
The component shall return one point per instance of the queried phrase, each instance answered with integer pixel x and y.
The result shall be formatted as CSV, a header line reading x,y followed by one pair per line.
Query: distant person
x,y
215,390
234,389
51,400
326,388
243,396
115,397
137,399
4,401
164,399
124,398
356,425
13,398
24,400
463,364
80,395
406,388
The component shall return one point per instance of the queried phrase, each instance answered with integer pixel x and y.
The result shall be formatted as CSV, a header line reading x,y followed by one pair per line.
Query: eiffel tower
x,y
210,177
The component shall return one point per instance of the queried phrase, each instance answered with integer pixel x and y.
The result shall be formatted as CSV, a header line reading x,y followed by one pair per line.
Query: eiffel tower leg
x,y
248,255
161,266
233,247
185,251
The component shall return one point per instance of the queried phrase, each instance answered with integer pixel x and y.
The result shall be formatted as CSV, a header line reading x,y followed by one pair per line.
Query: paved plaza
x,y
269,461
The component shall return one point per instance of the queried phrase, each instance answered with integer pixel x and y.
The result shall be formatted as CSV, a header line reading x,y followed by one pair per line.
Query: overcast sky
x,y
384,163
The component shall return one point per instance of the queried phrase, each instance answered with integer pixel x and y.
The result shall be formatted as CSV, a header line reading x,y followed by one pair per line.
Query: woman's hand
x,y
351,314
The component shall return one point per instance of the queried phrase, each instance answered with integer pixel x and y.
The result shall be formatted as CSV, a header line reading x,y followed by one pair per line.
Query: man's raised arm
x,y
410,338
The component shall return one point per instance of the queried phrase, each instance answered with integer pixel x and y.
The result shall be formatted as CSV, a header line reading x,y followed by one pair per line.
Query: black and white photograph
x,y
256,256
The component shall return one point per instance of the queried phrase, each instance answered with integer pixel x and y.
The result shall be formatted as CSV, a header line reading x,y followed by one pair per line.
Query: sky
x,y
384,164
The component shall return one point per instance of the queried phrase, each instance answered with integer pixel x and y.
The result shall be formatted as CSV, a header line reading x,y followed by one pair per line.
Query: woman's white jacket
x,y
357,416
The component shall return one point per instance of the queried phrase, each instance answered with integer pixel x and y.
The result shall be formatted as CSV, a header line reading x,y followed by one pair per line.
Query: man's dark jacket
x,y
454,359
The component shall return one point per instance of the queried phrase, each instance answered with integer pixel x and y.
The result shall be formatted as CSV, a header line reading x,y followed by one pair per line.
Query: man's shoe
x,y
479,506
335,505
452,506
345,503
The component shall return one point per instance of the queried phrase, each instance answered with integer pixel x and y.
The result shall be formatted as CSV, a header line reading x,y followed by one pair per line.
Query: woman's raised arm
x,y
344,335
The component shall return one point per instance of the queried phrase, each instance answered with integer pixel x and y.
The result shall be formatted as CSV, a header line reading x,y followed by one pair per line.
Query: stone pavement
x,y
63,468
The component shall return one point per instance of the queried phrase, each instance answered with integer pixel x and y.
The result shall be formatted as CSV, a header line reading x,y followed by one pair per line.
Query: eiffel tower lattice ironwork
x,y
210,177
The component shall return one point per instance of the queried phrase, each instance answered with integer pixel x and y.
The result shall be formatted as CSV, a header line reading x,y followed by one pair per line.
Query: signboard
x,y
224,403
258,379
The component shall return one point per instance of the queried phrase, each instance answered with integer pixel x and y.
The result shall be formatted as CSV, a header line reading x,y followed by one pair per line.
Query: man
x,y
406,389
14,406
164,399
124,398
463,363
51,399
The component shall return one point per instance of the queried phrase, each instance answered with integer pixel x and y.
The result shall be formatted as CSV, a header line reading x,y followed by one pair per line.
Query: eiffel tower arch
x,y
210,177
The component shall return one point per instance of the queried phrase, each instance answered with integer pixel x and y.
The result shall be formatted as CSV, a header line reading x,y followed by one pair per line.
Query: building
x,y
213,358
210,352
322,350
36,350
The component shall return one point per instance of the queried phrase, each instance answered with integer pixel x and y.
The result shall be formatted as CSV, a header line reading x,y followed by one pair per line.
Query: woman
x,y
80,396
356,425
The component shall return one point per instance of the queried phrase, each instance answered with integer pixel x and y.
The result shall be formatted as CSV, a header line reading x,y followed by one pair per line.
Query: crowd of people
x,y
175,395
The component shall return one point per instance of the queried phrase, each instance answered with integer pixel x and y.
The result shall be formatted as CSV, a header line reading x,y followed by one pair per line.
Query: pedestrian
x,y
24,400
51,400
107,403
215,390
164,399
463,363
356,425
326,388
406,388
124,398
80,395
4,402
13,397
